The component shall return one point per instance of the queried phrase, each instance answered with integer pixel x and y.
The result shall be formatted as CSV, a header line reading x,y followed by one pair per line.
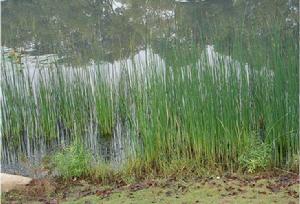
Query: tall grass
x,y
188,106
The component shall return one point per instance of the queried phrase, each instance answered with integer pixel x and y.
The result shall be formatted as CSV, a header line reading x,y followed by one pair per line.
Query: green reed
x,y
182,108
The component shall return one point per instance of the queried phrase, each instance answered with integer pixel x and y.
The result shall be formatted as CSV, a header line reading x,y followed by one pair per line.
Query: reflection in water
x,y
112,30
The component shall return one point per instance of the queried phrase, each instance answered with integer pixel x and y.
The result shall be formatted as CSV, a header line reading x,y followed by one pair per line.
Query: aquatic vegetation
x,y
197,101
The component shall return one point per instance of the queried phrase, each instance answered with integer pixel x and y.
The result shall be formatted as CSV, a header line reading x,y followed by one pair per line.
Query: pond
x,y
136,78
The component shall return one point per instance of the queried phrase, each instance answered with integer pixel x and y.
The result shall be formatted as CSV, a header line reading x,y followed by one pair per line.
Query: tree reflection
x,y
85,30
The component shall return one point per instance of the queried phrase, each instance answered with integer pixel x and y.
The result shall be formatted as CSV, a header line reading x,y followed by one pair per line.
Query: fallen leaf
x,y
262,192
168,193
273,187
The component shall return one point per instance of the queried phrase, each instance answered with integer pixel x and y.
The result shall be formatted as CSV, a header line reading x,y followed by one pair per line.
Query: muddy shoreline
x,y
259,188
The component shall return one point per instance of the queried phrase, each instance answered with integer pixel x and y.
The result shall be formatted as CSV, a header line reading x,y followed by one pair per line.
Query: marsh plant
x,y
200,100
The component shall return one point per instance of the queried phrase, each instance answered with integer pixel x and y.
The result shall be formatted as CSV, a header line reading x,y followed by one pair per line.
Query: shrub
x,y
74,161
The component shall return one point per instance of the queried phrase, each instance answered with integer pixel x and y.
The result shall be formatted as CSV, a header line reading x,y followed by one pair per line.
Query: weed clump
x,y
73,161
256,157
